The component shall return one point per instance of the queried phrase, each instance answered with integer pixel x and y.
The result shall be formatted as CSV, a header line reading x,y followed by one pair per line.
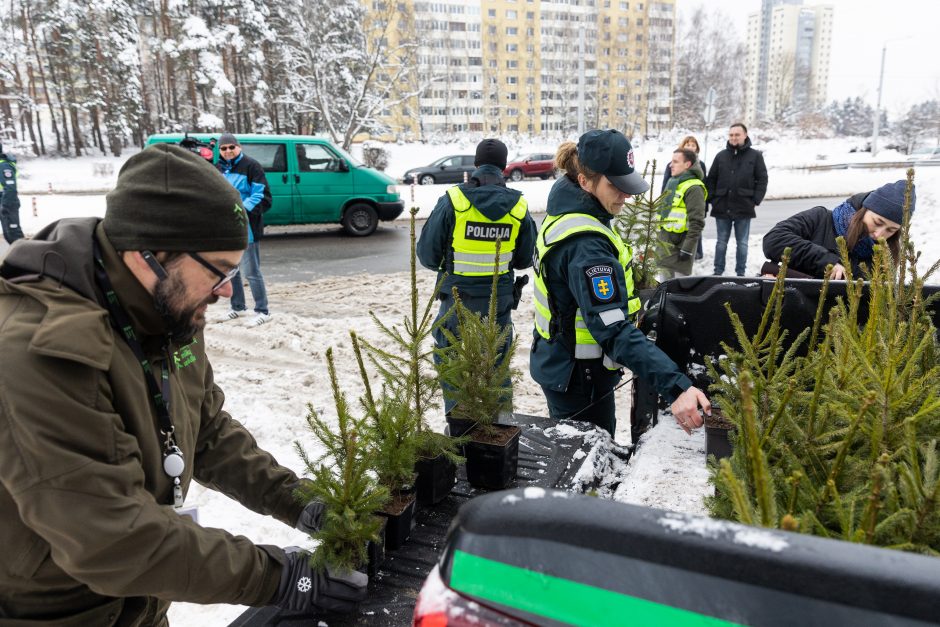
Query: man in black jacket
x,y
736,182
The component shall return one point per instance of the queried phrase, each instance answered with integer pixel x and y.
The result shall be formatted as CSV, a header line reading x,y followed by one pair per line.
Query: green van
x,y
314,182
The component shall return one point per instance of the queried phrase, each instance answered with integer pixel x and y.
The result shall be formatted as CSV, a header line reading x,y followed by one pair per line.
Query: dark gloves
x,y
685,256
517,286
305,591
311,517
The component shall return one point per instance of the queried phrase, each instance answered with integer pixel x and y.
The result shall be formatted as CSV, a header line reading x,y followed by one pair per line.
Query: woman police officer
x,y
584,295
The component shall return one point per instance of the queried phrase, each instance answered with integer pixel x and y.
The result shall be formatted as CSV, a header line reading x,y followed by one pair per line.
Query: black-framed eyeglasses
x,y
224,277
227,148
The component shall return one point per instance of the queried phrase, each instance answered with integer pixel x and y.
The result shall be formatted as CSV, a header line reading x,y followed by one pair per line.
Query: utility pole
x,y
877,120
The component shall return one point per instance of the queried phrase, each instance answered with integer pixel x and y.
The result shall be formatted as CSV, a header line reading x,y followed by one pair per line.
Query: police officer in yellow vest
x,y
585,302
460,238
683,215
10,202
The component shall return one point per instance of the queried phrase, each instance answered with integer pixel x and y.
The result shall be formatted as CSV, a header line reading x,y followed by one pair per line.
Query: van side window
x,y
316,158
272,157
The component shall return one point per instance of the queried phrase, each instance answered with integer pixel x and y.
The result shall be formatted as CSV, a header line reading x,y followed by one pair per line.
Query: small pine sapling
x,y
475,366
342,480
841,442
407,369
639,226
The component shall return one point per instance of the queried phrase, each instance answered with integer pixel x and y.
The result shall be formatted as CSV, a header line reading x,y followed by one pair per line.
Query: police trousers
x,y
589,396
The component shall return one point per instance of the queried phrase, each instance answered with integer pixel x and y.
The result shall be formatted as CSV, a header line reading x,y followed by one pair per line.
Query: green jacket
x,y
87,528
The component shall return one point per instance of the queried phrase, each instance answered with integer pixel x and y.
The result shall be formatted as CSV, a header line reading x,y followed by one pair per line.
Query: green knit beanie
x,y
169,199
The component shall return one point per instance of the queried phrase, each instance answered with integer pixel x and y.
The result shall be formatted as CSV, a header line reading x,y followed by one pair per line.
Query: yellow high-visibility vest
x,y
475,236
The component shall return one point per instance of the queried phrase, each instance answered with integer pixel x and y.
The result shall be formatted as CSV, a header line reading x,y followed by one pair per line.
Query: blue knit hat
x,y
888,201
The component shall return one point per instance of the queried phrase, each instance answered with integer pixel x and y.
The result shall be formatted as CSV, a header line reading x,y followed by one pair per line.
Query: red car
x,y
536,164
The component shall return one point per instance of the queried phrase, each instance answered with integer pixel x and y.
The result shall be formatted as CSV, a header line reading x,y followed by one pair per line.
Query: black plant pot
x,y
436,477
375,550
457,427
493,465
401,520
717,428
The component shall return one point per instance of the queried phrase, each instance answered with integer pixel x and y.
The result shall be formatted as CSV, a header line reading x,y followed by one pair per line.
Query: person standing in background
x,y
689,143
683,215
736,182
460,237
10,202
247,176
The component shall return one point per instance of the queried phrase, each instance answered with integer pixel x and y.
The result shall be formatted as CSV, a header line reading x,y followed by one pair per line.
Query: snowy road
x,y
307,253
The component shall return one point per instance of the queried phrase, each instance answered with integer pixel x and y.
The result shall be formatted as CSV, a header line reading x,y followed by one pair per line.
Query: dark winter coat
x,y
10,200
247,176
486,190
811,235
551,362
671,243
87,528
737,182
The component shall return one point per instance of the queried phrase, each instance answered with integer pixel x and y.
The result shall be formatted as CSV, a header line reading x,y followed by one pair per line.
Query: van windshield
x,y
351,159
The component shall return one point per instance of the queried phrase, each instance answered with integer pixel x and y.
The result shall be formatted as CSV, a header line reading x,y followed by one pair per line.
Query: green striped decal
x,y
561,599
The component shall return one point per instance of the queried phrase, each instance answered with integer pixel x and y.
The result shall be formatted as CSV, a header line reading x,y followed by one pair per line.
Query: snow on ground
x,y
271,373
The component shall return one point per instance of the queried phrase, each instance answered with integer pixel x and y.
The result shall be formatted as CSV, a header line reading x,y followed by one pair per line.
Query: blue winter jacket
x,y
247,176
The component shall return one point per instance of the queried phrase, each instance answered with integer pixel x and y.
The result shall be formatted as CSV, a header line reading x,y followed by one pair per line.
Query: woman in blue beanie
x,y
862,220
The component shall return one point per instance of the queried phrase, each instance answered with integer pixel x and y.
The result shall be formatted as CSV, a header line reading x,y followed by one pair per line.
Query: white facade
x,y
788,52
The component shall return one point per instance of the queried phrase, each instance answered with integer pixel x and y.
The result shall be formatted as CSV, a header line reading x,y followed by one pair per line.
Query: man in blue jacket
x,y
460,237
247,176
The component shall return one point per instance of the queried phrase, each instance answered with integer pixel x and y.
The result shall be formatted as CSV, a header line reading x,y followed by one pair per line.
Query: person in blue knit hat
x,y
863,220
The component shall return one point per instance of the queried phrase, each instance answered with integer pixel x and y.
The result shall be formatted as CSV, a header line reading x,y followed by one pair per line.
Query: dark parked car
x,y
537,164
445,170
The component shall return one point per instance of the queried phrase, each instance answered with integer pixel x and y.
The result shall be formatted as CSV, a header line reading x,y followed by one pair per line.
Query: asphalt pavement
x,y
291,254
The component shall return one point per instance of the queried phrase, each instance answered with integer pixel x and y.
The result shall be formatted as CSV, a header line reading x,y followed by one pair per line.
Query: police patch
x,y
488,232
601,283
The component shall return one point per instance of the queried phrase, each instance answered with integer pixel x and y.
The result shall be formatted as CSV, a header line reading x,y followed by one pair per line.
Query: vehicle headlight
x,y
391,189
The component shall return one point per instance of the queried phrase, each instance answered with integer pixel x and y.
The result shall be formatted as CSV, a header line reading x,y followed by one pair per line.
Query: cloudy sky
x,y
861,29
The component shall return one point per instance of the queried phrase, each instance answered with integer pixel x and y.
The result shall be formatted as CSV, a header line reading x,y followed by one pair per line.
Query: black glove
x,y
311,517
520,283
685,256
305,591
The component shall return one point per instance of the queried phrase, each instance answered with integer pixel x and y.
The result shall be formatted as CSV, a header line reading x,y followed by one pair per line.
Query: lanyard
x,y
173,463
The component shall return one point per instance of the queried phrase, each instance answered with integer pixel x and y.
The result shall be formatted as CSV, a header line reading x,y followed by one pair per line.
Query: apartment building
x,y
524,66
787,67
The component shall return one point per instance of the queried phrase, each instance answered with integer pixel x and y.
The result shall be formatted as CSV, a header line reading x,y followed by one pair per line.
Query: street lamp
x,y
881,80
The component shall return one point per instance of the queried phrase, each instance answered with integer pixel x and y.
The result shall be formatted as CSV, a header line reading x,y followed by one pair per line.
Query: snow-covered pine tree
x,y
840,443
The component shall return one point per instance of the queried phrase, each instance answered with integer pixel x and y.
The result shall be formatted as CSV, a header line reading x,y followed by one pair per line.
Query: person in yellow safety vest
x,y
460,238
585,300
683,215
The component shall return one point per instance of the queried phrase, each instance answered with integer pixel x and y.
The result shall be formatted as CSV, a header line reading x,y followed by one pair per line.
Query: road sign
x,y
710,108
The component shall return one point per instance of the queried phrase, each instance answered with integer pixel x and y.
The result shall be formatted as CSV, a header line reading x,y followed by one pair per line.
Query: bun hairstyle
x,y
566,160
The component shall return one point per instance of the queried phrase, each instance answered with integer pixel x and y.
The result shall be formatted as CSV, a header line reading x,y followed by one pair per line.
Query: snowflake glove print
x,y
303,590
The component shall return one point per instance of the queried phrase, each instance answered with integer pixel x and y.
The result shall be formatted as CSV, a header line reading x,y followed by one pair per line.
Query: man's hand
x,y
311,518
305,591
686,409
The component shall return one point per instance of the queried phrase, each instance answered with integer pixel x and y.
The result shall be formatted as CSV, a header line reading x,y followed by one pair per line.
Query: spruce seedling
x,y
341,479
639,225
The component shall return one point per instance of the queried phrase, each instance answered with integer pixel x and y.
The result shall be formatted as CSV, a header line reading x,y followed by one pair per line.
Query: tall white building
x,y
788,51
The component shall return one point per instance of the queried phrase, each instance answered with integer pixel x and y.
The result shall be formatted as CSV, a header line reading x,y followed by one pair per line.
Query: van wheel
x,y
426,179
516,175
360,220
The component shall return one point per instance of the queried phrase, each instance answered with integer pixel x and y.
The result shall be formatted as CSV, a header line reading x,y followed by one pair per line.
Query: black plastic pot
x,y
493,466
458,426
376,551
717,428
436,477
399,524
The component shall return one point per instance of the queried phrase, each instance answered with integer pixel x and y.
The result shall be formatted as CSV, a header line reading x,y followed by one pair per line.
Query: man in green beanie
x,y
109,412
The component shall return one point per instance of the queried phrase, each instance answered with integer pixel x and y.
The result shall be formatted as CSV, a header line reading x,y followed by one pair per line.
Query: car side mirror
x,y
443,166
342,166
